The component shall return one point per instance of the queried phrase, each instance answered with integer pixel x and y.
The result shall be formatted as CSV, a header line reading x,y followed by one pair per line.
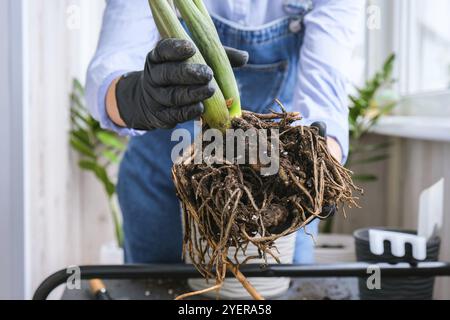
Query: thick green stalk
x,y
201,6
120,238
216,110
207,39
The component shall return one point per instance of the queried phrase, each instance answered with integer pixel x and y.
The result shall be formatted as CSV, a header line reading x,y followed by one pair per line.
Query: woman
x,y
299,52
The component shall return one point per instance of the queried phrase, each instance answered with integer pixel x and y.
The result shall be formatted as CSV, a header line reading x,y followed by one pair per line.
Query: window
x,y
423,43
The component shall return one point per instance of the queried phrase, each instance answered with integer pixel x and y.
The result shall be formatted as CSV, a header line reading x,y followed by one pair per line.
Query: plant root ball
x,y
230,206
274,216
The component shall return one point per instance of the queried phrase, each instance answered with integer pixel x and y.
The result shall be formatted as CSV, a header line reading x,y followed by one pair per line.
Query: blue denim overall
x,y
151,211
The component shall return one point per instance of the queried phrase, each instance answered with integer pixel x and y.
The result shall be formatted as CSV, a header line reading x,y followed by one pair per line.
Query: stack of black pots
x,y
407,288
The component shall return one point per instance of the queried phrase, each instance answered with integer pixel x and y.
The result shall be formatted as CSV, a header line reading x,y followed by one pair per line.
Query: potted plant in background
x,y
99,150
369,104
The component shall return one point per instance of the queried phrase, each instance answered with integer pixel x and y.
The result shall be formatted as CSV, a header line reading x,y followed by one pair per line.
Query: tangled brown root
x,y
230,206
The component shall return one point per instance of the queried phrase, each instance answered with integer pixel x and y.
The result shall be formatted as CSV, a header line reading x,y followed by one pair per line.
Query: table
x,y
301,289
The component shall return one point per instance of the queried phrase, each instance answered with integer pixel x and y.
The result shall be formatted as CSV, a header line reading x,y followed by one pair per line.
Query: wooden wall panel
x,y
60,221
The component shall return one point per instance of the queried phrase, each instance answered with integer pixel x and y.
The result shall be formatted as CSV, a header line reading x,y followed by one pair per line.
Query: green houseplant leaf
x,y
97,149
110,140
111,156
101,174
82,147
364,114
365,177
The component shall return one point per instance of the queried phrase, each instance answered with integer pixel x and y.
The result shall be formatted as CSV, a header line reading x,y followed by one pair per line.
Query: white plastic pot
x,y
334,248
111,254
269,288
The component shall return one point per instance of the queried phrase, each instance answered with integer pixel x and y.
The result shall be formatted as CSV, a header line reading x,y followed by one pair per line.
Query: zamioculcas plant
x,y
231,205
366,110
98,149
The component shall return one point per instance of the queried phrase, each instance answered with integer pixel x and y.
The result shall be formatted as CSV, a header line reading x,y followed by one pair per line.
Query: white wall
x,y
63,228
12,215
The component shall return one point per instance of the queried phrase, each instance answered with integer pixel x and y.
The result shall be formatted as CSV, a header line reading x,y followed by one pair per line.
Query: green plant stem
x,y
97,148
117,223
216,111
328,226
207,39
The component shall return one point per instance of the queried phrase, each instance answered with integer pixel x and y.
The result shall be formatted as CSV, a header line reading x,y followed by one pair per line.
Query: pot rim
x,y
363,234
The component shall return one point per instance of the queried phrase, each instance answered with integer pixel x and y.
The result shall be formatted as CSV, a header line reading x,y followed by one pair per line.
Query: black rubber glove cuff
x,y
128,96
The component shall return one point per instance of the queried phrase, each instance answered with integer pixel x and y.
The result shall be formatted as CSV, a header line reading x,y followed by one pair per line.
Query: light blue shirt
x,y
129,33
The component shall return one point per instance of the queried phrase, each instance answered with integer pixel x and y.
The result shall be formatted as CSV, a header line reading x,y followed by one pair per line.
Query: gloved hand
x,y
170,90
328,211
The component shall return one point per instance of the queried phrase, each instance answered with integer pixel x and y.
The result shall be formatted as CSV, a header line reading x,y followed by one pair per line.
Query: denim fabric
x,y
151,212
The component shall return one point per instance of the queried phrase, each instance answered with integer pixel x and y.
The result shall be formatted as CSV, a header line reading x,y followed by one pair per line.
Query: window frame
x,y
397,35
405,28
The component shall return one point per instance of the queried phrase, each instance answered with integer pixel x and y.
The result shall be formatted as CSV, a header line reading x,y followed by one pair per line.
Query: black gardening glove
x,y
169,91
328,211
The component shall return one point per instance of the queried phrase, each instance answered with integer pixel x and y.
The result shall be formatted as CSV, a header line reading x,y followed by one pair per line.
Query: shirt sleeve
x,y
128,33
330,36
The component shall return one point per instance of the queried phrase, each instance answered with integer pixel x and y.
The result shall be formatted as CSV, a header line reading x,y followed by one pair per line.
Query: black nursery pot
x,y
406,288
